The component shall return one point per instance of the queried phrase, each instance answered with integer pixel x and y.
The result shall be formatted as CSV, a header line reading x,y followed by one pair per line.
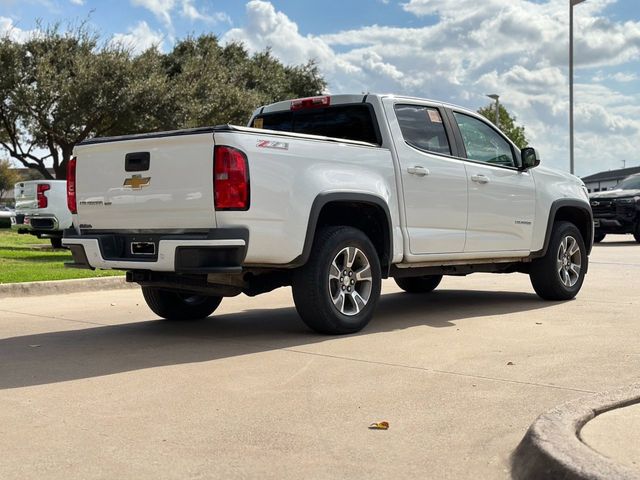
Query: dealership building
x,y
607,180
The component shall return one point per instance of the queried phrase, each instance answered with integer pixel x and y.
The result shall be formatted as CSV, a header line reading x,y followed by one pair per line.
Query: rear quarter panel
x,y
286,181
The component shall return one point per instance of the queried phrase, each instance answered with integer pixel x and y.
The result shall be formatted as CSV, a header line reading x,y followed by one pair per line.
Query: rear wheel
x,y
560,273
598,237
337,290
422,284
56,242
175,305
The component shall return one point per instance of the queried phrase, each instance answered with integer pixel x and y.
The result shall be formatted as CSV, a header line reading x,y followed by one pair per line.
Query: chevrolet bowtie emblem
x,y
136,182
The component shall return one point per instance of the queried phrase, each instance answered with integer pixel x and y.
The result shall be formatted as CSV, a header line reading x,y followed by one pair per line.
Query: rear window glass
x,y
422,128
351,122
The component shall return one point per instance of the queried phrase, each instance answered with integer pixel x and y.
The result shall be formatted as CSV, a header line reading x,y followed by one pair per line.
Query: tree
x,y
8,177
212,84
507,124
60,88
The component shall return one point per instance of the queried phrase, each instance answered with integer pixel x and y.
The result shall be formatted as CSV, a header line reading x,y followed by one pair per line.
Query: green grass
x,y
25,258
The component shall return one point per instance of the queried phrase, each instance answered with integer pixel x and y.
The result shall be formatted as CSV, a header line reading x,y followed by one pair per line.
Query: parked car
x,y
7,217
329,195
41,209
617,210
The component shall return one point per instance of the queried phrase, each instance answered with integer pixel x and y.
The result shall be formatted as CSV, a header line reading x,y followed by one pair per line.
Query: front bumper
x,y
215,251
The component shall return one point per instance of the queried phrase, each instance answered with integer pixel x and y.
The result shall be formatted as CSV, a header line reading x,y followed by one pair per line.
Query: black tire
x,y
174,305
545,275
56,242
423,284
636,232
598,237
314,292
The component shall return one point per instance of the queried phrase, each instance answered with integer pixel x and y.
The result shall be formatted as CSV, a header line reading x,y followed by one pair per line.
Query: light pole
x,y
572,3
497,99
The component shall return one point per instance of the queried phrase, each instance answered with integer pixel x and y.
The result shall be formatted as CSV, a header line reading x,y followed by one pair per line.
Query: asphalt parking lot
x,y
93,386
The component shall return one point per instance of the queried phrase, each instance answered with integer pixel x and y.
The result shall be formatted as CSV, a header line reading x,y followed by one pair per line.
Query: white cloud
x,y
160,8
139,38
469,48
164,9
77,2
190,11
15,33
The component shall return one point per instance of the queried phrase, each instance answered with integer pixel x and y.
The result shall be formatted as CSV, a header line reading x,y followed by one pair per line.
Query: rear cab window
x,y
422,128
349,122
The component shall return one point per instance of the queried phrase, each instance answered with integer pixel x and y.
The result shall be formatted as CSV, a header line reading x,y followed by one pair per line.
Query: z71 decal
x,y
272,144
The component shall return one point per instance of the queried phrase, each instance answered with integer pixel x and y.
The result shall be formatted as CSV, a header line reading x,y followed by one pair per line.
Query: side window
x,y
483,143
422,128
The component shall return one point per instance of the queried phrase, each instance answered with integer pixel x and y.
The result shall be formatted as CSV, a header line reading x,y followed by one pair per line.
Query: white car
x,y
7,217
329,195
41,208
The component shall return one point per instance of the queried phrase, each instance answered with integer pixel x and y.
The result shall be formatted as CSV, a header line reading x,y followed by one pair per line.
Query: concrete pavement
x,y
616,434
93,386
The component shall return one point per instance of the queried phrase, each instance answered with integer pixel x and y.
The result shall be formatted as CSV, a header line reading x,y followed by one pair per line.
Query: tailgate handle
x,y
137,161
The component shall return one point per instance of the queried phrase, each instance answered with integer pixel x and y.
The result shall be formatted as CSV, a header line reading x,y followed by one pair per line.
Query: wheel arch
x,y
574,211
338,208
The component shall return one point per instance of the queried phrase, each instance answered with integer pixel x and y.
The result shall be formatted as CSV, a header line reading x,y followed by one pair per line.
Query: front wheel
x,y
337,290
598,237
560,273
175,305
636,232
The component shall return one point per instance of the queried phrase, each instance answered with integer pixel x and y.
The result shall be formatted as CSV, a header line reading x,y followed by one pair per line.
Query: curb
x,y
552,448
33,289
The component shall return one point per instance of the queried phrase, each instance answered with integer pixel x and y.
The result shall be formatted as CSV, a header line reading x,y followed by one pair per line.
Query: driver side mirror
x,y
529,158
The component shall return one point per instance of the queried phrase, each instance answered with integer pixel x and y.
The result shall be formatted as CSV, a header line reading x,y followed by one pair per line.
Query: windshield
x,y
630,183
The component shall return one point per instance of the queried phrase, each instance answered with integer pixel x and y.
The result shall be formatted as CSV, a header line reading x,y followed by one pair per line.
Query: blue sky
x,y
454,50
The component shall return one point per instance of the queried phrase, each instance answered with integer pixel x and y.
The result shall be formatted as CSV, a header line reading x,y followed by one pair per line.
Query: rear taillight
x,y
71,186
230,179
313,102
43,201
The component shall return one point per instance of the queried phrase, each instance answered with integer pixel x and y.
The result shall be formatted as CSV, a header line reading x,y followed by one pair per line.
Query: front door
x,y
501,197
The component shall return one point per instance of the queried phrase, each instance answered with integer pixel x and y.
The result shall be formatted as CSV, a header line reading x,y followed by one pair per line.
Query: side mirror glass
x,y
529,158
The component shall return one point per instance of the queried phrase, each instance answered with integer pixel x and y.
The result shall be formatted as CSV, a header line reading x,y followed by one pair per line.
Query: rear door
x,y
501,197
434,181
146,183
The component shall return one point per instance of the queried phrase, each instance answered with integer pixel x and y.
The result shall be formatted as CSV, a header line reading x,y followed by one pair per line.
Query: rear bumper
x,y
38,223
215,251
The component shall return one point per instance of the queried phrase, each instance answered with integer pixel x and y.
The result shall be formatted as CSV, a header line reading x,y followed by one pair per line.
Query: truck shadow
x,y
617,243
91,352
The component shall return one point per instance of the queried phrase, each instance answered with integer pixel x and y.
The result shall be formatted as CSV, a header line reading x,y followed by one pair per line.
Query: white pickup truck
x,y
329,195
41,209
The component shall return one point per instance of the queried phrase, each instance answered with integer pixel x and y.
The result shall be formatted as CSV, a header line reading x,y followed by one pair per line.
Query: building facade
x,y
602,181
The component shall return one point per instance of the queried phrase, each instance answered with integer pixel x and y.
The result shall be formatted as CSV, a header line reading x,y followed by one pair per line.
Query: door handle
x,y
480,178
418,170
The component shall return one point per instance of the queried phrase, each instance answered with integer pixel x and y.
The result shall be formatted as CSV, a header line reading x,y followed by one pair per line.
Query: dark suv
x,y
617,210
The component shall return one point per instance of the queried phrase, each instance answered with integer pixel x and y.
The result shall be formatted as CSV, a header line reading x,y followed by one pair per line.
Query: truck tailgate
x,y
150,183
25,196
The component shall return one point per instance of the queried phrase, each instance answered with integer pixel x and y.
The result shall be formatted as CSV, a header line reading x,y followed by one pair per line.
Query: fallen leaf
x,y
379,426
538,323
510,363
